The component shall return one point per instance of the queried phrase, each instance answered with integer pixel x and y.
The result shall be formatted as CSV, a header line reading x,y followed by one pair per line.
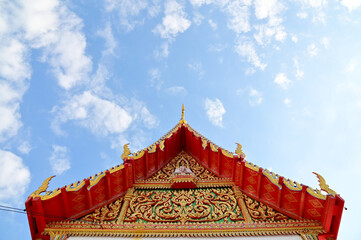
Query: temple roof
x,y
152,168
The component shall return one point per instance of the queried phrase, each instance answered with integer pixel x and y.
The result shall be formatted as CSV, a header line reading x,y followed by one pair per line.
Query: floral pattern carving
x,y
107,213
184,206
261,212
182,159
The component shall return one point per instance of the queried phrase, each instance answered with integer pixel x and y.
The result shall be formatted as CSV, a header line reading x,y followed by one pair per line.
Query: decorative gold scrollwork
x,y
184,206
182,159
261,212
107,213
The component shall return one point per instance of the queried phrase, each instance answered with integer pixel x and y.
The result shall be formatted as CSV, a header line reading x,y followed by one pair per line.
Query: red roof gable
x,y
290,198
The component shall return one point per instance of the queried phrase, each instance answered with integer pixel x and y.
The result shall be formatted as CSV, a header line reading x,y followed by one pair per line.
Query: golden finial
x,y
42,188
182,120
240,152
324,186
126,151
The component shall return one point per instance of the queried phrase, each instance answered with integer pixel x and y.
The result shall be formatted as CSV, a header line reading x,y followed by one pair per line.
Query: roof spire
x,y
182,120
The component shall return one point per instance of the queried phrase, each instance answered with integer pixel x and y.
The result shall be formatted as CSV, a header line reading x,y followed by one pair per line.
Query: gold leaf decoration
x,y
324,186
182,159
107,213
184,206
42,188
261,212
126,151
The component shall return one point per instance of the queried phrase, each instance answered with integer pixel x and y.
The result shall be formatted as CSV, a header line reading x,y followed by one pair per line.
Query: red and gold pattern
x,y
182,159
273,205
184,206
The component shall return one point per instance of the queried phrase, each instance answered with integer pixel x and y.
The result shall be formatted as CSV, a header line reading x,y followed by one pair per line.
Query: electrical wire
x,y
24,211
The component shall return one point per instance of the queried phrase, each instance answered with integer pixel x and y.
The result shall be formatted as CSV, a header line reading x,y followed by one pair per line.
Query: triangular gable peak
x,y
210,167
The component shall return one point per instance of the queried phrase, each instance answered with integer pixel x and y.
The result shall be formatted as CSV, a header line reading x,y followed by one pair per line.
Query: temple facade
x,y
185,186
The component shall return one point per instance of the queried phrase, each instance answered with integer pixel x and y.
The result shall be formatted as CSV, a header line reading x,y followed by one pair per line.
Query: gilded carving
x,y
126,151
324,186
182,159
107,213
272,177
295,186
261,212
239,151
316,193
42,188
184,206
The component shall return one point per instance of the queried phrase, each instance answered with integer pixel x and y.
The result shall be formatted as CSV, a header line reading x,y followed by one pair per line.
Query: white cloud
x,y
294,38
215,111
53,28
110,42
155,80
271,10
14,177
265,9
198,3
351,4
13,65
213,25
351,65
99,115
24,147
312,50
175,21
282,80
139,111
197,18
129,10
163,51
255,97
247,50
149,120
176,90
325,41
217,47
198,68
314,3
9,111
302,15
59,159
239,14
319,17
287,101
299,73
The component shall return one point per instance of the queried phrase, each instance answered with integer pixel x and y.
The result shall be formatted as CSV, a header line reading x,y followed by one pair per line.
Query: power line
x,y
24,211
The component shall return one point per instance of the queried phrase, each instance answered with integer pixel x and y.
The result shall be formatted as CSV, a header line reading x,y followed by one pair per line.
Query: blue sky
x,y
78,79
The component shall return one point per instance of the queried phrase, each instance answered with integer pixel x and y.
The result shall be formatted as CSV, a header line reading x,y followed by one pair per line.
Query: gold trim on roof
x,y
227,153
182,120
204,143
42,188
239,151
116,168
324,186
252,166
316,193
274,178
191,230
292,185
126,151
75,186
95,179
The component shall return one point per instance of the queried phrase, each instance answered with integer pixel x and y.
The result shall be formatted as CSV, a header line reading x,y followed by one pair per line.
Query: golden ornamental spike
x,y
240,152
182,120
324,186
126,151
42,188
